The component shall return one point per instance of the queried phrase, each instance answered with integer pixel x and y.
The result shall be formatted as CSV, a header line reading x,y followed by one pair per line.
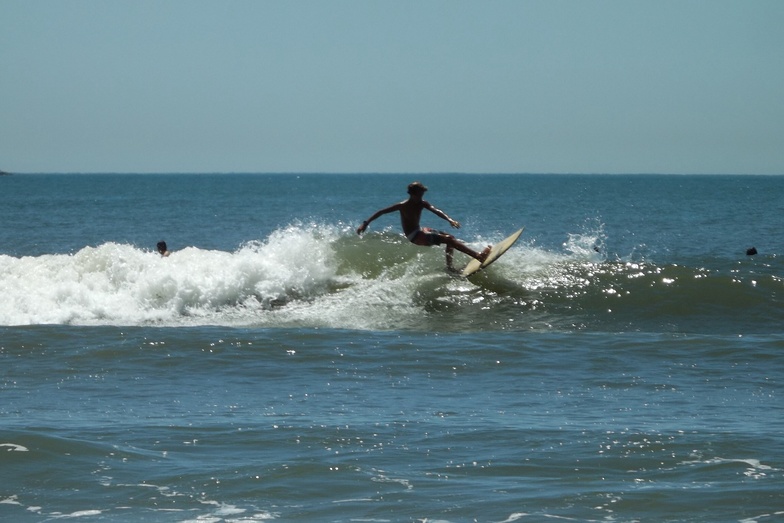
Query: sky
x,y
370,86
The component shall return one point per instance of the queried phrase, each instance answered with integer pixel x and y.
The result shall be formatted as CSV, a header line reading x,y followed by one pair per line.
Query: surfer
x,y
162,249
410,213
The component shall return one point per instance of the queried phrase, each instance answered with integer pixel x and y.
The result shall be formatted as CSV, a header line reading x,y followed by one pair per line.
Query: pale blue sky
x,y
546,86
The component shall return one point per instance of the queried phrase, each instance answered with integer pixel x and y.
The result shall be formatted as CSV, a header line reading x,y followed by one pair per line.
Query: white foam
x,y
82,514
122,284
13,447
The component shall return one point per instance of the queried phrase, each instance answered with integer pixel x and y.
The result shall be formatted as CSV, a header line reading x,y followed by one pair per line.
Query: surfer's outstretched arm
x,y
441,214
381,212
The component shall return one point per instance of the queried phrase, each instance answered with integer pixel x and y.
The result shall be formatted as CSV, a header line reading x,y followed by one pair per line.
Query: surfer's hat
x,y
416,187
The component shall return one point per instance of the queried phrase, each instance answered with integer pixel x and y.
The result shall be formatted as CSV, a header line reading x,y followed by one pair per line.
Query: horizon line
x,y
382,173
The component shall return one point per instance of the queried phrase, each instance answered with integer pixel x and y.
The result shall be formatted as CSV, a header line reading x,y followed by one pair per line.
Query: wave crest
x,y
315,275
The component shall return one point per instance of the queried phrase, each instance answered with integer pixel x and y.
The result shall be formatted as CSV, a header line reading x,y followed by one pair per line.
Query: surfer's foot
x,y
485,253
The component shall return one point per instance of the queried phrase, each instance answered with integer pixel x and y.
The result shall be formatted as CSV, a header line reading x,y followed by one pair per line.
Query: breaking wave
x,y
324,276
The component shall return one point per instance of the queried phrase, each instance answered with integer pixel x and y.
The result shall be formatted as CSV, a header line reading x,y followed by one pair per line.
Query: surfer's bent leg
x,y
454,243
449,252
427,237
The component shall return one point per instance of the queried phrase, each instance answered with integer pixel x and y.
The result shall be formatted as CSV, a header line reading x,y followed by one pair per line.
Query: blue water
x,y
623,362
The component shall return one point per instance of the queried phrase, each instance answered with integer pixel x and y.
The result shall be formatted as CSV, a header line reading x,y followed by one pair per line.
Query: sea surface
x,y
623,362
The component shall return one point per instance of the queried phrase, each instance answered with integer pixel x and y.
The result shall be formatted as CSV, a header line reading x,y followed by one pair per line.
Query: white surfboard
x,y
497,250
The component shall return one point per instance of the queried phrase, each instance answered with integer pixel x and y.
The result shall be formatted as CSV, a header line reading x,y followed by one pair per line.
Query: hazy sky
x,y
677,86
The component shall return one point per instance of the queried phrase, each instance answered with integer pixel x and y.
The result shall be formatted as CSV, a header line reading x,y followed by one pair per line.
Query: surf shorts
x,y
432,236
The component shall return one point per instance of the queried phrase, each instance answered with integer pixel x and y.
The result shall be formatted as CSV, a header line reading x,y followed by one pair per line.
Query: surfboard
x,y
497,250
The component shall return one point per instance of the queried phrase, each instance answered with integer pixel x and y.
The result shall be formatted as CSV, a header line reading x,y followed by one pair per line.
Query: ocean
x,y
623,362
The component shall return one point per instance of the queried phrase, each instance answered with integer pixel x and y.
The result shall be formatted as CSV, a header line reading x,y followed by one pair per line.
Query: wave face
x,y
325,276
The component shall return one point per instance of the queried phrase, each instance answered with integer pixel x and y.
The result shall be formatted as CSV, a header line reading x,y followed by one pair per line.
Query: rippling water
x,y
623,362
